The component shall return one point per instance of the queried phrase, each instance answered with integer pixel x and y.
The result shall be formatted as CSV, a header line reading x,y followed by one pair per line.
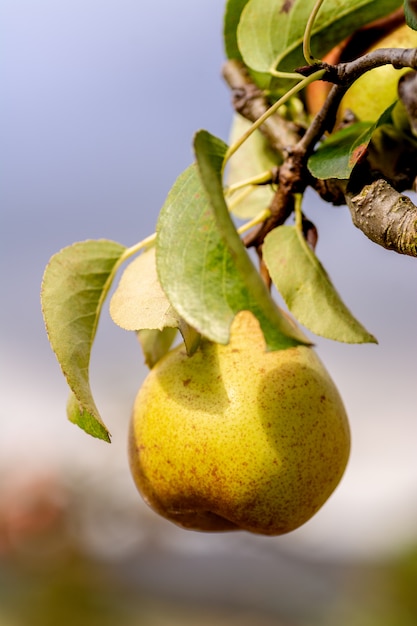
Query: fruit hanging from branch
x,y
237,438
241,427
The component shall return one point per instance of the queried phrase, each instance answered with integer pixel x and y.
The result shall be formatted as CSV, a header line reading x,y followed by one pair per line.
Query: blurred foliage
x,y
50,575
69,591
77,591
387,595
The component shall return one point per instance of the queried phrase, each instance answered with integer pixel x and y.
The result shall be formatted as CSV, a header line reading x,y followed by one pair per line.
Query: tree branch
x,y
323,121
347,73
249,101
385,216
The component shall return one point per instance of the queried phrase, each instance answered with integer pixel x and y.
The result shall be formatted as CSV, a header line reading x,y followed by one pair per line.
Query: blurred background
x,y
99,104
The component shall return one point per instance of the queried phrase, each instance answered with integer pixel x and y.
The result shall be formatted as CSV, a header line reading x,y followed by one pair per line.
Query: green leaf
x,y
139,301
338,154
307,289
202,264
200,273
156,343
90,421
232,15
75,284
270,32
190,335
278,331
253,157
410,12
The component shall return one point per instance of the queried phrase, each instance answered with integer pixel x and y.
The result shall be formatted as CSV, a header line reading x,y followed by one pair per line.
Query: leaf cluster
x,y
195,274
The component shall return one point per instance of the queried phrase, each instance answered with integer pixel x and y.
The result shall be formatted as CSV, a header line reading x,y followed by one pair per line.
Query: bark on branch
x,y
346,73
249,101
385,216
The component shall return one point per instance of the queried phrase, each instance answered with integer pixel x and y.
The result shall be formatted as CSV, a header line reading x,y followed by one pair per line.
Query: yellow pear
x,y
238,438
376,90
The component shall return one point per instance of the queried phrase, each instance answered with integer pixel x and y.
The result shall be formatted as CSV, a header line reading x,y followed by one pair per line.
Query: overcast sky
x,y
100,100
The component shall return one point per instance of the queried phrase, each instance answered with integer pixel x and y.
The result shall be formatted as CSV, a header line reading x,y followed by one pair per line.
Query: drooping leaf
x,y
200,273
270,32
278,331
139,301
307,289
75,284
338,154
253,157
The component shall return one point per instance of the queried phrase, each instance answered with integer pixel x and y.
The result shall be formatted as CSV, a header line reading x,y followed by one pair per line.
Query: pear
x,y
238,438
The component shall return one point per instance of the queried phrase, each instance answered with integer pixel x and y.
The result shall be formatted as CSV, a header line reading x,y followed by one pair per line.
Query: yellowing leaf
x,y
139,301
